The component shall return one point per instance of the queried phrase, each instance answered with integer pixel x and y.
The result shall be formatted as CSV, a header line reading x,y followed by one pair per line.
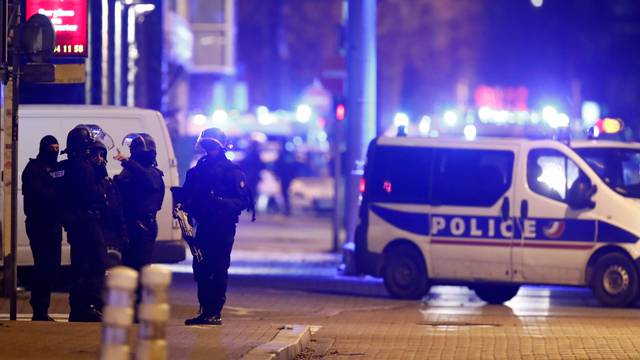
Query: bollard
x,y
117,315
155,281
153,313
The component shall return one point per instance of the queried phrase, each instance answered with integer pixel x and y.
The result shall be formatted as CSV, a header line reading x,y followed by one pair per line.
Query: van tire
x,y
615,280
405,274
496,294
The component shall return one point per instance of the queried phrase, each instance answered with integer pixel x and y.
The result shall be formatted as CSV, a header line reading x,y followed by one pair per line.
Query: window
x,y
618,168
207,11
471,177
551,174
400,174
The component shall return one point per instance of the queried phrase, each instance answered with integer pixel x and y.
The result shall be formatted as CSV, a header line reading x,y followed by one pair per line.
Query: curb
x,y
336,284
290,341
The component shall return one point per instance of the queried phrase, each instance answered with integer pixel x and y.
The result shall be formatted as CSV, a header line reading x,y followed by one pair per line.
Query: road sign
x,y
333,75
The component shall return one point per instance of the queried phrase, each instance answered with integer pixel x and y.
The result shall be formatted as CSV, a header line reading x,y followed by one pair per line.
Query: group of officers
x,y
100,213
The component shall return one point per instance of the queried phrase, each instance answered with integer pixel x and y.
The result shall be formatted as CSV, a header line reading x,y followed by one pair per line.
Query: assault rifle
x,y
188,233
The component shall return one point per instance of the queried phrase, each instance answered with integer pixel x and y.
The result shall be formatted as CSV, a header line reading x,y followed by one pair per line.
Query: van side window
x,y
550,173
400,174
471,177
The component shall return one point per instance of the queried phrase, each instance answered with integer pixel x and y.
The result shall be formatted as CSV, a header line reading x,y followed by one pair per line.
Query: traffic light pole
x,y
10,20
361,102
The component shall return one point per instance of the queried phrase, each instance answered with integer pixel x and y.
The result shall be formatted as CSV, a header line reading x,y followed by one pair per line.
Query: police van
x,y
36,121
496,213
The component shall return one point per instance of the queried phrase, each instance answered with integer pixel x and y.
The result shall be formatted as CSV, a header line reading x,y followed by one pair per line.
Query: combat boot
x,y
41,316
204,319
90,314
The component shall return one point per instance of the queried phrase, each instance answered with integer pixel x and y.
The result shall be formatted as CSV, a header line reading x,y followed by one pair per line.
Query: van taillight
x,y
363,185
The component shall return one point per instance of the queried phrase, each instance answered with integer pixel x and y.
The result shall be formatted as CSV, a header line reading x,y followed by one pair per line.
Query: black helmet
x,y
139,142
212,138
83,136
98,146
78,141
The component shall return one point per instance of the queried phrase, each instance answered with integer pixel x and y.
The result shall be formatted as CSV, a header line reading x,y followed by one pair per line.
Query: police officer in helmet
x,y
43,223
84,199
142,189
215,194
112,219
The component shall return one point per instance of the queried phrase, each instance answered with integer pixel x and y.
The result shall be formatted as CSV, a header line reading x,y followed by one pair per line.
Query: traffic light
x,y
340,112
339,108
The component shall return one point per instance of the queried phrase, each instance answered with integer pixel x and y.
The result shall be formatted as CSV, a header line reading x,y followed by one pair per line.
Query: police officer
x,y
112,219
43,224
84,198
215,195
142,189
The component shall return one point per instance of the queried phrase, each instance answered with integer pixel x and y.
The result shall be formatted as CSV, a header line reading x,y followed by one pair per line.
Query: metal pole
x,y
4,6
117,63
336,224
361,91
14,170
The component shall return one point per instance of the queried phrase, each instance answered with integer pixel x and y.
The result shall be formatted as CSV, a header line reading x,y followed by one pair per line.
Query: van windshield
x,y
618,168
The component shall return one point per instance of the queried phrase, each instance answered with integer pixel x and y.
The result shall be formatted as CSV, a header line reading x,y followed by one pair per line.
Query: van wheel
x,y
496,294
615,280
405,274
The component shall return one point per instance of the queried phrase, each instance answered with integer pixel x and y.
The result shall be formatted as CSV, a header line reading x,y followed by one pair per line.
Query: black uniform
x,y
43,225
112,218
215,195
86,203
142,190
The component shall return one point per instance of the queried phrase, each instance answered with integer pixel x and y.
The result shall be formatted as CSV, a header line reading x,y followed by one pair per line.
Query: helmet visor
x,y
207,142
97,134
141,141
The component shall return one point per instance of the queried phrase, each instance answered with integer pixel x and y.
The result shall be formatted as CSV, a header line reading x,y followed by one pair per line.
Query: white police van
x,y
495,213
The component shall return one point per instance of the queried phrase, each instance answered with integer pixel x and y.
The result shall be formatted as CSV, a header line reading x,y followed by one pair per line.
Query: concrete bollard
x,y
155,281
117,315
153,313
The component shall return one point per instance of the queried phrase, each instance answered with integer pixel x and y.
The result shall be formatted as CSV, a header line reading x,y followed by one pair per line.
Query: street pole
x,y
361,101
338,189
11,19
4,6
14,177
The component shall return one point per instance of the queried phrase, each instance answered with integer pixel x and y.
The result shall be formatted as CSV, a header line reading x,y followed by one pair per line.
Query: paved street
x,y
350,318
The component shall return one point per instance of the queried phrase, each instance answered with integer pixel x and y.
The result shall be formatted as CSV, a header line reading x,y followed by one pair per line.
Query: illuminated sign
x,y
69,18
502,98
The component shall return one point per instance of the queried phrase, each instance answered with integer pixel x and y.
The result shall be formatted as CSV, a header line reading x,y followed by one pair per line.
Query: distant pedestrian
x,y
142,190
252,165
43,224
286,169
215,193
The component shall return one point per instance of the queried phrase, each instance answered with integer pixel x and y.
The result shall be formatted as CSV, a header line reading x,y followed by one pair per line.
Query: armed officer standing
x,y
215,194
112,219
142,189
85,204
43,224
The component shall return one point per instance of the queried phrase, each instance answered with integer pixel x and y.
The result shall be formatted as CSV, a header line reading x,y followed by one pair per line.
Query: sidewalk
x,y
260,259
239,337
63,340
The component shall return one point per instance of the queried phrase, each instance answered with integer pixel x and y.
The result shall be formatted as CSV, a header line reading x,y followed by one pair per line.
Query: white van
x,y
495,213
36,121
